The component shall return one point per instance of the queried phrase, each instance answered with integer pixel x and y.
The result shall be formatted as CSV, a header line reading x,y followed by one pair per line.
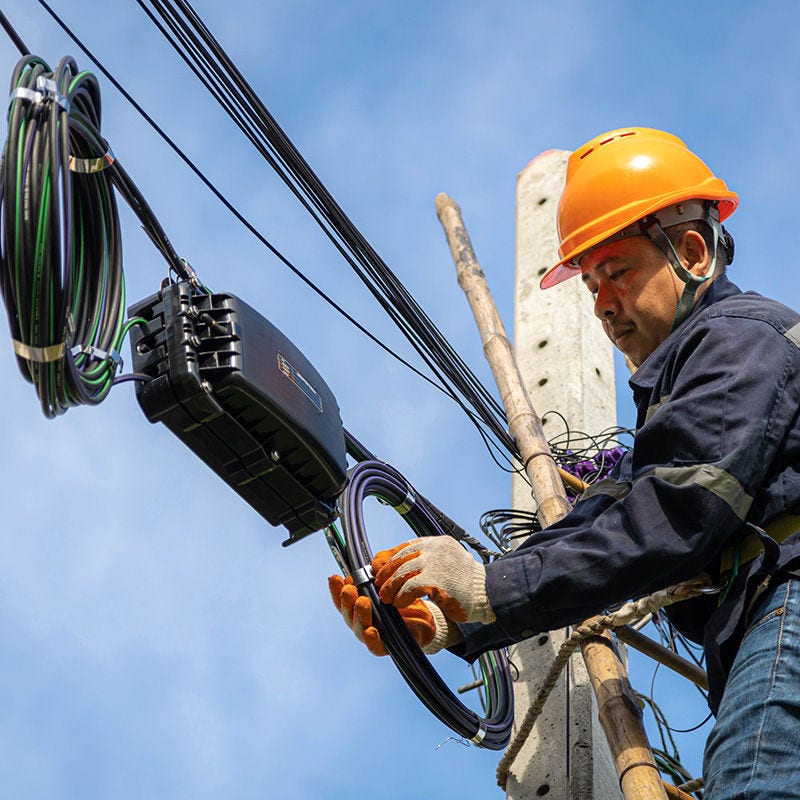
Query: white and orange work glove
x,y
439,568
428,625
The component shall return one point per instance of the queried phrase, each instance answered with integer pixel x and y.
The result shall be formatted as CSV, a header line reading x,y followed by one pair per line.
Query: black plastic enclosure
x,y
245,400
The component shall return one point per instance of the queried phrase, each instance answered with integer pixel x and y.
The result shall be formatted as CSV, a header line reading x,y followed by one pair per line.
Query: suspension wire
x,y
13,35
496,451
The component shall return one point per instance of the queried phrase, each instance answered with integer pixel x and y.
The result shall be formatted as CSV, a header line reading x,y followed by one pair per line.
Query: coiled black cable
x,y
377,479
61,273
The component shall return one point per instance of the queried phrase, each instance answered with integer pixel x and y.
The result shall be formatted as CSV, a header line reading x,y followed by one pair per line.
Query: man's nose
x,y
605,303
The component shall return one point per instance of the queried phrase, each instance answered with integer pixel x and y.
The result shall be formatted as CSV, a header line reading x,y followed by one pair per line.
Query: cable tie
x,y
362,575
91,165
407,504
111,356
479,736
39,355
22,93
48,89
191,274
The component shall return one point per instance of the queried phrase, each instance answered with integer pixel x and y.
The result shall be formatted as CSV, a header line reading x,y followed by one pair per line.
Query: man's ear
x,y
694,253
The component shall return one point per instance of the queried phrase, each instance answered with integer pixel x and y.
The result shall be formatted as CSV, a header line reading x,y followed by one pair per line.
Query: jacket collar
x,y
645,377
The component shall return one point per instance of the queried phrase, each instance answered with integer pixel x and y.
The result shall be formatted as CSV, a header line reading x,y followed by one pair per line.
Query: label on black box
x,y
298,380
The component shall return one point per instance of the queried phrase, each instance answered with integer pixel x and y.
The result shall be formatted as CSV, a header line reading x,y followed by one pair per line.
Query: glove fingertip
x,y
362,611
372,640
347,600
335,584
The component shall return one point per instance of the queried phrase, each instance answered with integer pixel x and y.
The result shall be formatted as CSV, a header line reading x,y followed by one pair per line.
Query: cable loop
x,y
61,274
372,478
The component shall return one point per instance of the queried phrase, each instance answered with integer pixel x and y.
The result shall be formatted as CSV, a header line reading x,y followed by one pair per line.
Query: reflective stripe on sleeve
x,y
608,487
793,335
715,480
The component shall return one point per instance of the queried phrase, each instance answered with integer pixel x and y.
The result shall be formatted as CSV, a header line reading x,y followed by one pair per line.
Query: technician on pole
x,y
711,484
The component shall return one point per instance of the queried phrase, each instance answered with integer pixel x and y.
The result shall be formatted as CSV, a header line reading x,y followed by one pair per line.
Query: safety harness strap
x,y
749,548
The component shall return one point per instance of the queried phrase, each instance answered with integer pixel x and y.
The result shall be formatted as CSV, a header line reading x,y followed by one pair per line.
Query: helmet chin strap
x,y
653,230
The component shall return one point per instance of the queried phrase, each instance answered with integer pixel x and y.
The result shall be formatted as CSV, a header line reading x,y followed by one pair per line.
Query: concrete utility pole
x,y
567,365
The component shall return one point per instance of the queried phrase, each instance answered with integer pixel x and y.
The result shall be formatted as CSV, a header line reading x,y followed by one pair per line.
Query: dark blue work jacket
x,y
716,452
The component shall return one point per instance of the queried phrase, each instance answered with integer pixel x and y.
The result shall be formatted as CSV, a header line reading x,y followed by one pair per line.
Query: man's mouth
x,y
619,334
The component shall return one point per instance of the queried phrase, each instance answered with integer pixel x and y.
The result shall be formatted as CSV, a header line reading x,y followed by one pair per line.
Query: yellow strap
x,y
780,529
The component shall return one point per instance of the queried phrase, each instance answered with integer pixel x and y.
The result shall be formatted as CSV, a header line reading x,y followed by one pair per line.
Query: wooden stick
x,y
674,793
619,715
644,644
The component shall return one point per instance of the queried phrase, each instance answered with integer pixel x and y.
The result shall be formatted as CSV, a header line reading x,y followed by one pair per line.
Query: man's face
x,y
636,294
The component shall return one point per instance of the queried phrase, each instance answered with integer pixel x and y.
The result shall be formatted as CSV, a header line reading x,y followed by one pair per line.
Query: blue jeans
x,y
753,751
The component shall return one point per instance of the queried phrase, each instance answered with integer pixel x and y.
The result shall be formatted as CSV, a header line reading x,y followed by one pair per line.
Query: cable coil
x,y
61,273
62,277
377,479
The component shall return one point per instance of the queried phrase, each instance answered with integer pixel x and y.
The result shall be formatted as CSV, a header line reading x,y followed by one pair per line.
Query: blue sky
x,y
155,638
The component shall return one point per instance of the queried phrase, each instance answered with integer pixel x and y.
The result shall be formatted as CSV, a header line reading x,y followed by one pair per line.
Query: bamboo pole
x,y
619,715
523,422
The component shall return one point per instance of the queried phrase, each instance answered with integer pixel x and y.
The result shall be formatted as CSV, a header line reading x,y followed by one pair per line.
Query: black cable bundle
x,y
61,271
377,479
187,33
61,259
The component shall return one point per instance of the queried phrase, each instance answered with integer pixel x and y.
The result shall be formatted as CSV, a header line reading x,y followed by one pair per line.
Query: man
x,y
710,485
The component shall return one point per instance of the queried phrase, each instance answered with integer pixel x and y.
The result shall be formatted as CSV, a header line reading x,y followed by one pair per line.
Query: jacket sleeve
x,y
699,458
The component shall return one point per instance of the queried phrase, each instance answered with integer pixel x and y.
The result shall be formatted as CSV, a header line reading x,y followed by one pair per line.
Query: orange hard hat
x,y
618,178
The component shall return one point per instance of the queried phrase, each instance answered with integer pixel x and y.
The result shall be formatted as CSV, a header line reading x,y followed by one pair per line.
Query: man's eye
x,y
614,276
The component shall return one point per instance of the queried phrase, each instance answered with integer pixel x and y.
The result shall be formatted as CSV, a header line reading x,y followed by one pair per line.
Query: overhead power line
x,y
204,55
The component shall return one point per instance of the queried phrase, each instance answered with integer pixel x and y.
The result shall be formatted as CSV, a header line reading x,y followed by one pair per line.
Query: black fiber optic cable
x,y
13,35
376,479
186,32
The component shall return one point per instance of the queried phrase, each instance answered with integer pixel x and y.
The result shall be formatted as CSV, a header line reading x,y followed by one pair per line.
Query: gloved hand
x,y
437,567
428,625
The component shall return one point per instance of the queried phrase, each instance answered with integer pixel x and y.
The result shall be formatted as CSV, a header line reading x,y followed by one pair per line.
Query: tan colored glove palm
x,y
427,624
439,568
